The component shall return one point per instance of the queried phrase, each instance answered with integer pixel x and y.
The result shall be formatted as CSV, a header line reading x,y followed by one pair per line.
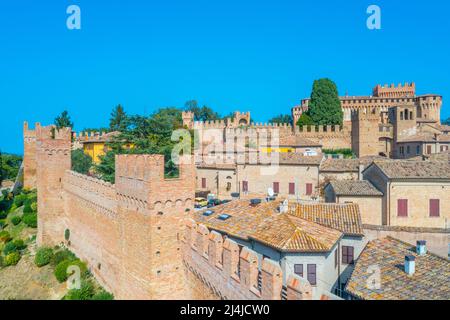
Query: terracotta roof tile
x,y
431,280
404,169
354,188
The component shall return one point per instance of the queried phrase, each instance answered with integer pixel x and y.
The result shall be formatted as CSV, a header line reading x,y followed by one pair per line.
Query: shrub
x,y
62,255
34,206
20,199
30,219
20,244
2,223
86,292
12,259
16,220
5,236
12,208
61,269
9,248
2,262
27,209
3,215
43,256
103,295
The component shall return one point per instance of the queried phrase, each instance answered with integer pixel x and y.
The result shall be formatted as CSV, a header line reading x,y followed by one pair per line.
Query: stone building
x,y
318,242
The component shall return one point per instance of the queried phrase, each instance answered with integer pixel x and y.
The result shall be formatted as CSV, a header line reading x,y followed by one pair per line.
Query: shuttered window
x,y
309,189
298,269
276,187
347,255
434,208
245,186
291,188
312,274
203,183
402,207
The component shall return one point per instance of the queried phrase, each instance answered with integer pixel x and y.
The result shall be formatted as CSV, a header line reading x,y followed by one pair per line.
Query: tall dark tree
x,y
325,107
81,162
63,120
118,120
282,118
304,120
204,113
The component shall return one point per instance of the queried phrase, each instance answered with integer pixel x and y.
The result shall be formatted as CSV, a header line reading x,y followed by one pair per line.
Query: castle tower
x,y
152,212
53,158
365,132
188,119
407,90
29,156
404,119
241,118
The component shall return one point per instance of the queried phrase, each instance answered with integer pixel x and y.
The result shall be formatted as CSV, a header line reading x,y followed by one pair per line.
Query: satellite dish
x,y
270,192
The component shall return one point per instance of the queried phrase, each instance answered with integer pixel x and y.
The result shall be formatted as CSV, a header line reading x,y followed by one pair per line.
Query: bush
x,y
62,255
103,295
5,236
20,244
43,256
30,219
20,199
16,220
3,215
12,259
34,206
9,248
27,209
86,292
2,223
61,269
2,262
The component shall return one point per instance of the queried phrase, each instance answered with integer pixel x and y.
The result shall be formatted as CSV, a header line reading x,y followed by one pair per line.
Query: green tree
x,y
282,118
63,120
204,113
81,162
304,120
118,120
325,107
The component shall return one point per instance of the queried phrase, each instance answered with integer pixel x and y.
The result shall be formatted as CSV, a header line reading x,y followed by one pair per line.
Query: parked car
x,y
213,203
200,202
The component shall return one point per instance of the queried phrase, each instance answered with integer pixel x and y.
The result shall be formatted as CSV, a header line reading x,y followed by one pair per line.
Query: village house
x,y
415,193
389,269
316,242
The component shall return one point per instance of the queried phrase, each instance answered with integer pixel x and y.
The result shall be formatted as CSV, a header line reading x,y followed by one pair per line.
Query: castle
x,y
380,124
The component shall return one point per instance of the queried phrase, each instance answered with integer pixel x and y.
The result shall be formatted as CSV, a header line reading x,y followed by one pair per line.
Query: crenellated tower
x,y
52,160
365,132
29,156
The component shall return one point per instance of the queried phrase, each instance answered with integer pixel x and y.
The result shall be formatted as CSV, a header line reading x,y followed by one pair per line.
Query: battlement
x,y
409,89
233,273
29,133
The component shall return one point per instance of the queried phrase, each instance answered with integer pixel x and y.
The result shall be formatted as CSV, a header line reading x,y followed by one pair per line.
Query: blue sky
x,y
260,56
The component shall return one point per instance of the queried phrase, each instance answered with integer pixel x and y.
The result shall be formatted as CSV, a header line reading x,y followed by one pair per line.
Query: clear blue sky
x,y
260,56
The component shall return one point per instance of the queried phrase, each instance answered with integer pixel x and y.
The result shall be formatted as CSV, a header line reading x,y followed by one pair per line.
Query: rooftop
x,y
431,280
340,165
343,217
263,223
404,169
354,188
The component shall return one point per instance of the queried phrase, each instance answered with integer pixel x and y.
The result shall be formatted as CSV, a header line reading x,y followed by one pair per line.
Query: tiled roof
x,y
291,234
425,137
344,217
298,158
354,188
263,223
431,280
226,166
404,169
340,165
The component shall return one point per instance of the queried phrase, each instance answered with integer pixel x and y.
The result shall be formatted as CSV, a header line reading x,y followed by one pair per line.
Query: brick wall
x,y
232,272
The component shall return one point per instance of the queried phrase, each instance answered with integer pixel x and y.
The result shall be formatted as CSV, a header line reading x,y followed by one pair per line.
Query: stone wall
x,y
233,273
29,156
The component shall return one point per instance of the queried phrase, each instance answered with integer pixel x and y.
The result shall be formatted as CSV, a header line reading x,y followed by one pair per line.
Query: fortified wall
x,y
29,156
233,273
129,233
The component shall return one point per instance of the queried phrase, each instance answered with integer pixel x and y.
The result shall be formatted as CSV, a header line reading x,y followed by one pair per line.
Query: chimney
x,y
410,265
361,169
421,247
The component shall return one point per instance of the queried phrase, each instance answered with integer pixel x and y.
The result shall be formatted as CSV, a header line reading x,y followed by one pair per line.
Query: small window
x,y
402,207
298,269
434,208
224,217
276,187
291,188
203,183
418,150
312,274
408,150
245,186
309,189
347,255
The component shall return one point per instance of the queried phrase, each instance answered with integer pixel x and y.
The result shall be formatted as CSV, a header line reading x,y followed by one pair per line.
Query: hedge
x,y
12,259
30,219
16,220
43,256
61,269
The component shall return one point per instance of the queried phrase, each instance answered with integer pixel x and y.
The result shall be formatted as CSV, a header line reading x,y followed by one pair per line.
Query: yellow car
x,y
200,202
